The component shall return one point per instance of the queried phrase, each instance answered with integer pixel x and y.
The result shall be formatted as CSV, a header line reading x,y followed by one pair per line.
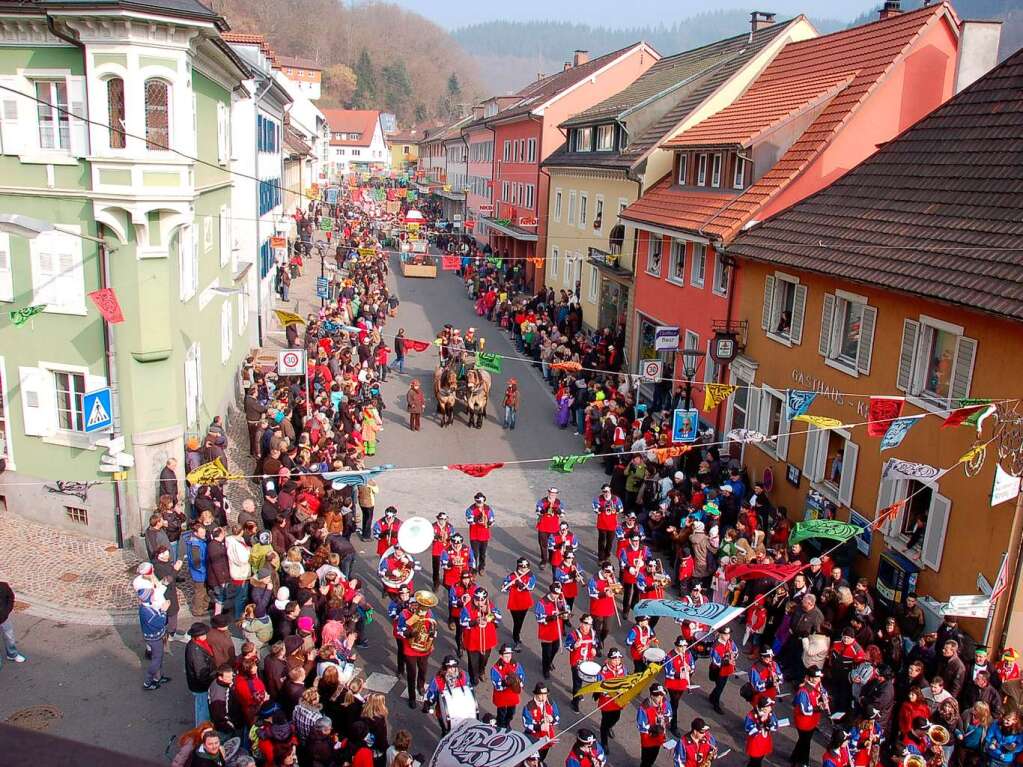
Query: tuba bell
x,y
939,735
415,535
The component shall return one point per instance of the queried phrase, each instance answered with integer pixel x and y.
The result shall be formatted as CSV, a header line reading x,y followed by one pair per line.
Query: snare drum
x,y
654,655
588,670
457,703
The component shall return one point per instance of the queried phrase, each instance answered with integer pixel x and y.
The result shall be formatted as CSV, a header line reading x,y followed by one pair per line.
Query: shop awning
x,y
609,264
511,231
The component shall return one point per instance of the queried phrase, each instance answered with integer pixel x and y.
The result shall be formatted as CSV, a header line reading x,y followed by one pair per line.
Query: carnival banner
x,y
474,744
624,688
797,402
897,431
450,263
832,529
474,469
967,606
489,361
342,479
571,366
1005,487
976,419
20,316
712,614
820,421
881,412
887,514
747,437
288,318
895,468
715,393
108,305
961,415
754,570
411,344
567,463
208,473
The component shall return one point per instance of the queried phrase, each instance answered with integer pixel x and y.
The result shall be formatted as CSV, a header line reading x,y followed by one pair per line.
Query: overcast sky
x,y
615,13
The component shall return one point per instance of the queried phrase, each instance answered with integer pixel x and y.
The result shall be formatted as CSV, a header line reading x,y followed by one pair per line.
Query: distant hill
x,y
510,54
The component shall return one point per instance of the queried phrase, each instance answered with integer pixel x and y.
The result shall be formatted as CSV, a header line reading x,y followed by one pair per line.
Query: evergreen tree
x,y
397,89
365,95
420,113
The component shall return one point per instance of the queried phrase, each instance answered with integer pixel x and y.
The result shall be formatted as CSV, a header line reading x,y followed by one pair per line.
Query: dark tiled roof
x,y
297,62
937,212
698,73
541,91
191,8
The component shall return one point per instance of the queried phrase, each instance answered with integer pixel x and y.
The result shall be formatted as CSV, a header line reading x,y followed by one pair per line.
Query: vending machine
x,y
896,577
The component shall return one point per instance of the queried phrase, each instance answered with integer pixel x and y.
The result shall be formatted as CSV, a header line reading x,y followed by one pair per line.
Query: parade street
x,y
89,675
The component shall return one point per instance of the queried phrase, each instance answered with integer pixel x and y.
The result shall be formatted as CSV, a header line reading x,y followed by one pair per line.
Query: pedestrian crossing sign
x,y
96,408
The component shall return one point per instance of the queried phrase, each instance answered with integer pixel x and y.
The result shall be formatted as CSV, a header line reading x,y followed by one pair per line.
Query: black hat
x,y
765,703
838,737
585,737
449,662
198,630
506,648
656,689
699,725
812,672
220,621
540,689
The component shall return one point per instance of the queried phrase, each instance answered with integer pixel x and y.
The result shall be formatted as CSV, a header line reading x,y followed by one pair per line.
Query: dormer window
x,y
605,138
715,170
683,162
583,139
701,170
739,178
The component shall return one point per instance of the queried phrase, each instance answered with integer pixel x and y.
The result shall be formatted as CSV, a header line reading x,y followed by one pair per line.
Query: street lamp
x,y
691,359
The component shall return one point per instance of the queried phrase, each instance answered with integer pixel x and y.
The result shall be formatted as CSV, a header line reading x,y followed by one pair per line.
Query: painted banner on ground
x,y
711,614
474,744
831,529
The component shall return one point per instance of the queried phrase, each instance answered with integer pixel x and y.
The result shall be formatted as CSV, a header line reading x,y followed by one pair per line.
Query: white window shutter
x,y
865,349
37,401
226,332
886,497
798,313
222,128
198,375
78,117
6,270
44,273
185,262
195,262
907,355
782,445
934,536
752,406
768,312
225,236
14,116
962,373
848,481
827,325
813,437
191,386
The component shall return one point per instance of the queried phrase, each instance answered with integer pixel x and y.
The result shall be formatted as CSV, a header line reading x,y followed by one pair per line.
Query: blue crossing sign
x,y
96,410
322,287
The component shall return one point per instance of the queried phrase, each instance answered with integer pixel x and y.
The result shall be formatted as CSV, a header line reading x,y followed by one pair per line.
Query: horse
x,y
477,391
445,390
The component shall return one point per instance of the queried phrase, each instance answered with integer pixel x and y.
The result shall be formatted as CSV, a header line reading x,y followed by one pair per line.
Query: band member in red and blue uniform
x,y
390,567
601,590
628,526
651,584
631,561
479,621
540,716
561,543
457,557
608,508
760,724
697,747
838,753
679,666
459,596
652,720
639,638
723,656
385,530
480,518
809,703
582,645
449,677
400,607
865,737
765,676
507,692
551,612
610,708
569,576
549,511
586,752
442,532
519,584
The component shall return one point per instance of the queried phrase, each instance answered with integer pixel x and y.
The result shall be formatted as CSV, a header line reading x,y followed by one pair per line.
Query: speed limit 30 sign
x,y
291,362
650,370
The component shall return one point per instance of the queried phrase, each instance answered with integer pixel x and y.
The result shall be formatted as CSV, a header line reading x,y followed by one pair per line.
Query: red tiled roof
x,y
836,71
361,121
241,38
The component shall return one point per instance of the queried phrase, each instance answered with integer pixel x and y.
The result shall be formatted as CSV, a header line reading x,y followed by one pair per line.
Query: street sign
x,y
322,287
291,362
96,407
650,370
666,338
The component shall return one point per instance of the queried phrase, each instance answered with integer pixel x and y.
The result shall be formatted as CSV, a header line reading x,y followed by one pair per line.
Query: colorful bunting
x,y
887,514
976,418
566,463
897,431
961,415
715,393
474,469
747,436
412,344
20,316
623,688
972,454
832,529
288,318
754,570
820,421
895,468
341,479
1005,487
571,366
798,401
450,263
712,614
881,412
108,305
489,361
209,473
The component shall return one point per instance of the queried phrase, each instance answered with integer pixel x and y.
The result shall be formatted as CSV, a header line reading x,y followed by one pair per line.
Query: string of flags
x,y
565,464
208,473
20,316
474,469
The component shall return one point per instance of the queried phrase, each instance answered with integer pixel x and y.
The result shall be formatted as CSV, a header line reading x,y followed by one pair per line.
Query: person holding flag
x,y
652,719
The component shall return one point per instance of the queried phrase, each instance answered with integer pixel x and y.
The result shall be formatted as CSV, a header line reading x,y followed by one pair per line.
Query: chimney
x,y
978,51
568,66
760,19
477,112
539,76
891,8
580,57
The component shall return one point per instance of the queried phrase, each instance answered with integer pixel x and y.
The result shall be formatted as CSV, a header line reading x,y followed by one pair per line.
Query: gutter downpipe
x,y
259,217
540,169
109,354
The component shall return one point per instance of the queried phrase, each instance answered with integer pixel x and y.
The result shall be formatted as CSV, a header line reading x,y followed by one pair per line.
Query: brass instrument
x,y
421,629
914,760
939,735
612,585
711,756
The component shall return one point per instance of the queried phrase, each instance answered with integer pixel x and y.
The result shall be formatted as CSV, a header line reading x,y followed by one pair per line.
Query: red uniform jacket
x,y
520,592
388,535
607,702
548,516
458,560
503,697
549,624
482,520
475,638
633,558
607,513
441,534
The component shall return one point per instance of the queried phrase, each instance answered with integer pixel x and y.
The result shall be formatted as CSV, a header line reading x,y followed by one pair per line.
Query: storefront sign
x,y
529,221
486,210
666,338
824,389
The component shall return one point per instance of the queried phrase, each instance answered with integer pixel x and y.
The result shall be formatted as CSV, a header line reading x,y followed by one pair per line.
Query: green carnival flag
x,y
488,361
326,224
20,316
970,402
833,529
566,463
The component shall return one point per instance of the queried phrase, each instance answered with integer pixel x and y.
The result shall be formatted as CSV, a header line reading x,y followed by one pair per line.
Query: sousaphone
x,y
415,535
